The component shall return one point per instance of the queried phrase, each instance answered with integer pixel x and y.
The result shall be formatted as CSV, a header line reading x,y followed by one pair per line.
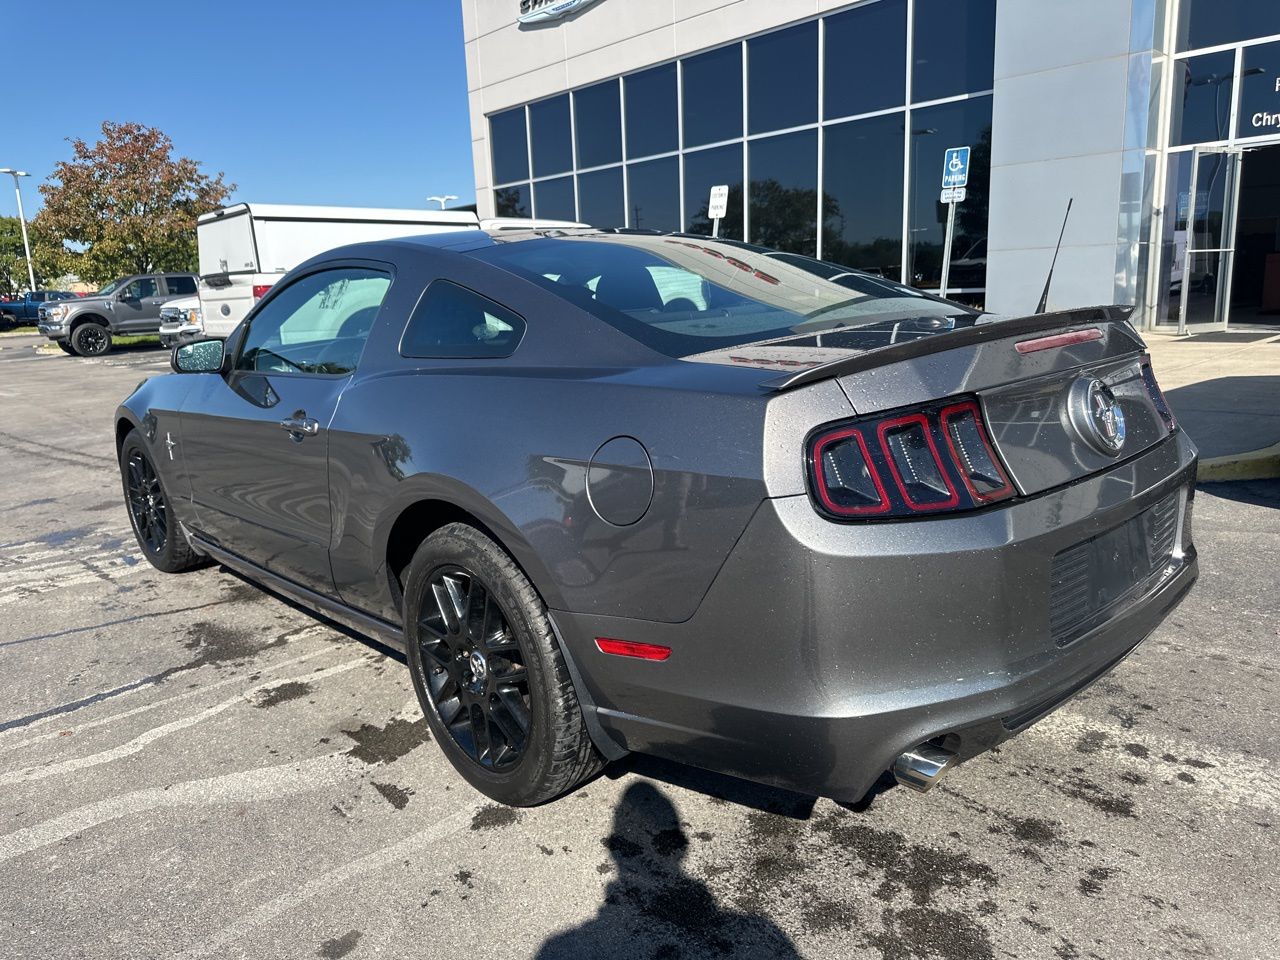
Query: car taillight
x,y
934,460
260,290
1157,395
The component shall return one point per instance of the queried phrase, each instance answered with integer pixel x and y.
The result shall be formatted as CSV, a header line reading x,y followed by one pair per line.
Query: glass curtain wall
x,y
1224,94
830,134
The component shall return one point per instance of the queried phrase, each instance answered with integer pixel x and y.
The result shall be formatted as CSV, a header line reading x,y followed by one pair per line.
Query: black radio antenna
x,y
1044,297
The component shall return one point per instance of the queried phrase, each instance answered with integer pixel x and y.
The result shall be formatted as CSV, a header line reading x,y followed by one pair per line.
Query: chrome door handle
x,y
299,426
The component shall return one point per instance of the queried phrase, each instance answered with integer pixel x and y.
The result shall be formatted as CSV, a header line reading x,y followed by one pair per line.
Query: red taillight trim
x,y
944,417
820,483
923,421
260,290
629,648
1058,340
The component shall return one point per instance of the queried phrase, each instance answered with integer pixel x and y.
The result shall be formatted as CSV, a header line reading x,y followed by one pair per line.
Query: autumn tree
x,y
126,204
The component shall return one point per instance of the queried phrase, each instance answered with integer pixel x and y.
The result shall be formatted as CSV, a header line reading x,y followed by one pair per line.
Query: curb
x,y
1261,464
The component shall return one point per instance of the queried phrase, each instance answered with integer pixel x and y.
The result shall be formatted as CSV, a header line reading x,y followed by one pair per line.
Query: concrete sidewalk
x,y
1224,388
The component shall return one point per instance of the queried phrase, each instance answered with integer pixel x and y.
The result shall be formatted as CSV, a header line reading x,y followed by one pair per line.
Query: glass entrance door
x,y
1204,239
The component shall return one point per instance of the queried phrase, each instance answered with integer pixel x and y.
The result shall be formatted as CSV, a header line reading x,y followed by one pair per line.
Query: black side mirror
x,y
200,356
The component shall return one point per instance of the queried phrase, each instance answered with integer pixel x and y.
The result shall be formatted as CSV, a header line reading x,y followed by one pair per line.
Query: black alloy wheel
x,y
473,670
489,673
147,506
160,539
91,339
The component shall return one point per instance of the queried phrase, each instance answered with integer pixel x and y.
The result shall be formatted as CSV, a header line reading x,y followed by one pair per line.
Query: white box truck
x,y
246,248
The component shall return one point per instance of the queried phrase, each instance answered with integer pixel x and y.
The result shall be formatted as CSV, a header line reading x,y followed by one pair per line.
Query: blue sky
x,y
356,104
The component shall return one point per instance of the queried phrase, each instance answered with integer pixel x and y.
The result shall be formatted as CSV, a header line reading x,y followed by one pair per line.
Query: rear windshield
x,y
684,295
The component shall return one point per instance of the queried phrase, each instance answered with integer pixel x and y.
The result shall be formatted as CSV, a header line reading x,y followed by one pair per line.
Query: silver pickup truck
x,y
129,306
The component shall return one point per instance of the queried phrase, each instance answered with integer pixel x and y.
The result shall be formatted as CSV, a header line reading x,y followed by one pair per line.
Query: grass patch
x,y
140,340
24,331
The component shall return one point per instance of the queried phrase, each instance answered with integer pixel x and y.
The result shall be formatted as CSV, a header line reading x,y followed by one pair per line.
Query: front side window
x,y
317,324
453,322
145,287
685,295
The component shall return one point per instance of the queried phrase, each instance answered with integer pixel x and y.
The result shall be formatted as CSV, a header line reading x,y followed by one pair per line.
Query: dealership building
x,y
1159,120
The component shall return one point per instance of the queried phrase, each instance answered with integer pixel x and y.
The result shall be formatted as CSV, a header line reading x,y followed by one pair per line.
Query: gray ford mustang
x,y
619,492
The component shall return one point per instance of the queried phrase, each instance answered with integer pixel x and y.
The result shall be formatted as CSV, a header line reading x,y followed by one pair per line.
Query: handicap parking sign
x,y
955,167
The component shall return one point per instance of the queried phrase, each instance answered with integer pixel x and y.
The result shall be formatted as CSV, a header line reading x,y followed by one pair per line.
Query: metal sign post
x,y
718,206
955,178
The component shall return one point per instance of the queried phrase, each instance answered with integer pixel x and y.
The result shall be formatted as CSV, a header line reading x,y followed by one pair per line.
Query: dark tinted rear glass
x,y
684,295
181,286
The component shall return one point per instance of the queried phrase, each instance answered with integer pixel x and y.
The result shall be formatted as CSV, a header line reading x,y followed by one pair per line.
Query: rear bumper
x,y
822,651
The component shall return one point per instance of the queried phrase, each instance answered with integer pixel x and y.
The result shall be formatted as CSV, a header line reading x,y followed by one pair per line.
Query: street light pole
x,y
443,200
22,219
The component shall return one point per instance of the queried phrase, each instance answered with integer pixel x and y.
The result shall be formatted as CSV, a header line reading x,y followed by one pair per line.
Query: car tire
x,y
65,347
160,536
510,723
91,340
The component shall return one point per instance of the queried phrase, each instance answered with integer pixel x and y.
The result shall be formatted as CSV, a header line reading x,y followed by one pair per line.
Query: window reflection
x,y
953,51
1207,23
933,130
654,191
702,171
713,96
1202,89
509,145
865,59
549,136
553,199
597,115
600,198
784,192
1259,86
512,201
863,184
652,124
782,78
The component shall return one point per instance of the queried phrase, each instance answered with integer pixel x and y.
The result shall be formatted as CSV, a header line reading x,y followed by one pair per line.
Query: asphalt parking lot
x,y
192,767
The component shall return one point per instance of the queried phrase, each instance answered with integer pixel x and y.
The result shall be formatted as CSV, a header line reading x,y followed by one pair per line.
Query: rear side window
x,y
181,286
453,322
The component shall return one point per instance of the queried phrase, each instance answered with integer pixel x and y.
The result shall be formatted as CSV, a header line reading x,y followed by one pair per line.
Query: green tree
x,y
13,261
126,204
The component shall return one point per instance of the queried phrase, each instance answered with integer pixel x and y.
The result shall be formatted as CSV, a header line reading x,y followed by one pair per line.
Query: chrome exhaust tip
x,y
922,767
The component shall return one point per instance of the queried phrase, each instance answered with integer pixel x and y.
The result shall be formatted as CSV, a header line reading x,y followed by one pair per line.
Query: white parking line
x,y
138,743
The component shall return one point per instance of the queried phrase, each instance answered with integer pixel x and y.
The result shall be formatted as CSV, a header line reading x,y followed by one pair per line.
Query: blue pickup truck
x,y
15,313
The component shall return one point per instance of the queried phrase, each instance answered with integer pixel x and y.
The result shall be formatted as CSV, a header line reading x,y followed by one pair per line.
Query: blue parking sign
x,y
955,167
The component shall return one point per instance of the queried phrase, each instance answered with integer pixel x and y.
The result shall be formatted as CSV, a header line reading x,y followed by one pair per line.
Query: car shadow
x,y
1259,493
653,907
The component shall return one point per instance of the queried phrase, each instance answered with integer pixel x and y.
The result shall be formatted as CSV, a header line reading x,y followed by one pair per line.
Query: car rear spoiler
x,y
962,337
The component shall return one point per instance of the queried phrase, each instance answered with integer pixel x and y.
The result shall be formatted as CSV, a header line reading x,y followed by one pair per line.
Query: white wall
x,y
1070,115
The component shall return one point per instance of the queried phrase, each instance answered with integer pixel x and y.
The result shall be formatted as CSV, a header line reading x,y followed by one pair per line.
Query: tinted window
x,y
862,210
933,130
1202,90
1260,91
784,192
452,321
550,137
704,170
653,189
146,287
510,146
600,198
597,117
180,286
954,49
782,79
690,295
553,199
713,96
865,51
317,324
1207,23
652,125
513,201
